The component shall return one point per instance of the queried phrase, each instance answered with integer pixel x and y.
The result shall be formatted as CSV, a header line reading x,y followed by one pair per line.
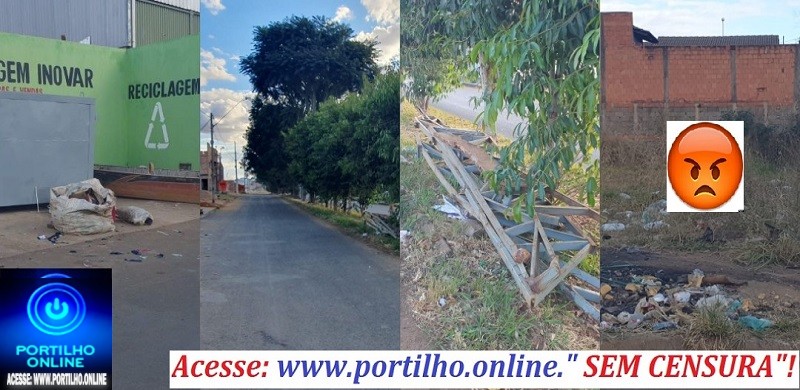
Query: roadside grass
x,y
766,232
457,287
711,329
351,223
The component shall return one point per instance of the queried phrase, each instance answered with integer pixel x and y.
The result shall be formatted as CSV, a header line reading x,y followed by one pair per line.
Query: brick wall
x,y
644,84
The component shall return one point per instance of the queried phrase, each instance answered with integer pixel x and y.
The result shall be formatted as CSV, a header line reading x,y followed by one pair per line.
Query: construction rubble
x,y
542,251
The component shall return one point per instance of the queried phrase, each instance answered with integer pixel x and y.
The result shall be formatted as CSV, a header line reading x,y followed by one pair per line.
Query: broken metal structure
x,y
543,250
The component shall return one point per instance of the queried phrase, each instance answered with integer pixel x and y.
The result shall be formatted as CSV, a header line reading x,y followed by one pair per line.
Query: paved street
x,y
273,277
458,103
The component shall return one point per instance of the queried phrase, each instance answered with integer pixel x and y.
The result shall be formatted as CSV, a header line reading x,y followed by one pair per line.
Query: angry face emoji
x,y
704,165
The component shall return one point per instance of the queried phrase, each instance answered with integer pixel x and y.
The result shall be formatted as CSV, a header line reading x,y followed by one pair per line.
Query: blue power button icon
x,y
56,309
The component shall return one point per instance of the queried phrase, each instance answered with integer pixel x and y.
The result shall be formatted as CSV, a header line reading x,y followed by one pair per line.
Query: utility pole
x,y
213,163
236,166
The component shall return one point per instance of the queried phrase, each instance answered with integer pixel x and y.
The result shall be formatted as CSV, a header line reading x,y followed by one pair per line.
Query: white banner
x,y
483,369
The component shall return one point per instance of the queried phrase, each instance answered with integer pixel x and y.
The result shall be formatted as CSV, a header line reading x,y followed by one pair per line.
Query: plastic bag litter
x,y
82,208
449,209
755,323
134,215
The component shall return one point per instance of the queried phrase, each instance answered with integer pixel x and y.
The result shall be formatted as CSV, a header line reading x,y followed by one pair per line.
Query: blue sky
x,y
226,35
703,17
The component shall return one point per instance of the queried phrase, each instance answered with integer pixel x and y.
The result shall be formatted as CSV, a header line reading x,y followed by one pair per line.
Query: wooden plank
x,y
549,285
545,239
562,210
582,303
563,236
525,227
535,252
572,202
561,246
589,295
444,182
484,214
577,230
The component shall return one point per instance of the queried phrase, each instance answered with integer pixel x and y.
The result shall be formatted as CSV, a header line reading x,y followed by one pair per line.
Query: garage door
x,y
45,141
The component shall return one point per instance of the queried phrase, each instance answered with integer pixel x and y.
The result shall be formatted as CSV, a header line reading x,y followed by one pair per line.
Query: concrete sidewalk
x,y
19,228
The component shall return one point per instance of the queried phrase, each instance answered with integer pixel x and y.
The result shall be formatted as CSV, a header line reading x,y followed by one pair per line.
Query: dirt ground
x,y
20,227
773,290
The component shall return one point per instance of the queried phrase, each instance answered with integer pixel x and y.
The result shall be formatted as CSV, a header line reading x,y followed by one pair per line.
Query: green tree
x,y
349,148
537,58
264,154
295,64
302,61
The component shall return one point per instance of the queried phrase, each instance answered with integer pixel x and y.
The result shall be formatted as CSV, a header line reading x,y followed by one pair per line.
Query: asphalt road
x,y
273,277
458,103
155,301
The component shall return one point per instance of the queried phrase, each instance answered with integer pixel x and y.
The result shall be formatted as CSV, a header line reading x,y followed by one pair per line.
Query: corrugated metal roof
x,y
105,21
191,5
157,23
732,40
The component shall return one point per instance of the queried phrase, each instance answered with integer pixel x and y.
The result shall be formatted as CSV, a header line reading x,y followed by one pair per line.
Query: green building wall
x,y
122,118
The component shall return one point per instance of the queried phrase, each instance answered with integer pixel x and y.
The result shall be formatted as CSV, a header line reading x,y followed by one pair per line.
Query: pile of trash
x,y
89,208
646,301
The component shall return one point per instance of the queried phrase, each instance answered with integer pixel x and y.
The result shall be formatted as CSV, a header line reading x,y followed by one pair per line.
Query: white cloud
x,y
213,6
229,128
388,39
222,101
695,18
382,11
211,36
213,68
343,13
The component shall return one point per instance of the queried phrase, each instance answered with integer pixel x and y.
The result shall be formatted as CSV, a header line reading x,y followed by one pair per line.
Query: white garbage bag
x,y
82,208
134,215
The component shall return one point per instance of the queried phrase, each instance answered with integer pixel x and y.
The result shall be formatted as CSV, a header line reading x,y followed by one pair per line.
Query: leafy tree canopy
x,y
537,58
302,61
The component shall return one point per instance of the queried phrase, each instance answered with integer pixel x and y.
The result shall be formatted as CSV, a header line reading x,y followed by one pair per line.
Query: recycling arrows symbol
x,y
157,111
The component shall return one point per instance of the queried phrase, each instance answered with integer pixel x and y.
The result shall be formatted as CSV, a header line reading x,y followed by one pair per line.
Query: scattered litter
x,y
160,255
635,320
659,298
696,278
82,208
664,325
713,301
612,227
177,255
442,302
682,296
449,209
54,238
73,251
135,215
115,253
654,212
755,323
42,237
605,289
164,233
404,236
135,260
655,225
